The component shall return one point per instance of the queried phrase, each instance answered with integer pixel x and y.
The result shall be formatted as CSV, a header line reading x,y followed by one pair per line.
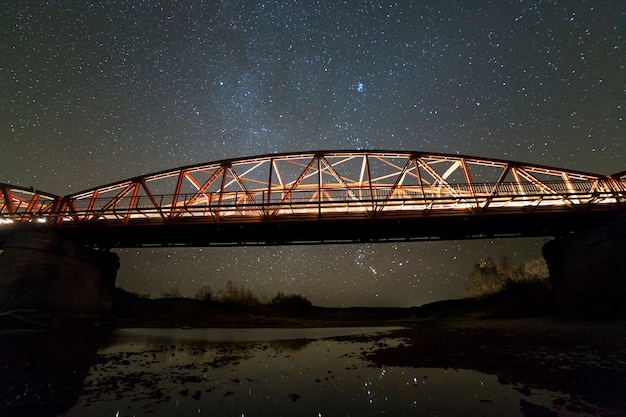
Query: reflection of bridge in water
x,y
330,196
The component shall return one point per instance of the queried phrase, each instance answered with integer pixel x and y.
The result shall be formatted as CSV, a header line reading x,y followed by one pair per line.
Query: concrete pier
x,y
588,270
45,272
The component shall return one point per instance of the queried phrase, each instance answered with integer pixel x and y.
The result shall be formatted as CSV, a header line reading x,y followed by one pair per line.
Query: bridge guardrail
x,y
260,205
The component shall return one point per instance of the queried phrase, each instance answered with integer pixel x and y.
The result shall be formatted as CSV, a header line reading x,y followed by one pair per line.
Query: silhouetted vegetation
x,y
236,294
232,294
173,292
506,289
291,302
205,293
494,289
235,305
489,277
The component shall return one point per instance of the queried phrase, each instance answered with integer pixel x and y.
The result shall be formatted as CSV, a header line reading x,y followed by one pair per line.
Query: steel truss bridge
x,y
326,196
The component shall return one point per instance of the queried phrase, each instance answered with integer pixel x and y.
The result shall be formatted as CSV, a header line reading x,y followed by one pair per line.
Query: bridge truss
x,y
298,190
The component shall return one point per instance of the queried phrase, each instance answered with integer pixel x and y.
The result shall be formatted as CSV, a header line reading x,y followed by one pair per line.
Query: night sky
x,y
96,92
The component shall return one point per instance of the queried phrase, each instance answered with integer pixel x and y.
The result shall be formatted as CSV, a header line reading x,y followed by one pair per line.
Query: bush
x,y
173,292
236,294
291,302
488,277
204,293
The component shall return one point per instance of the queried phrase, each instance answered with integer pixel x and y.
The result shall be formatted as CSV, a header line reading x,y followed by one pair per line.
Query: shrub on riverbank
x,y
489,277
233,304
291,302
506,289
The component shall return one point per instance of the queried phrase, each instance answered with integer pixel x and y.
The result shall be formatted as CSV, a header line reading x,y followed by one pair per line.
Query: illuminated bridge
x,y
326,196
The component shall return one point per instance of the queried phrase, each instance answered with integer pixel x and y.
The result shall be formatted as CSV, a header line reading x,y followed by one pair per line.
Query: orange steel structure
x,y
333,186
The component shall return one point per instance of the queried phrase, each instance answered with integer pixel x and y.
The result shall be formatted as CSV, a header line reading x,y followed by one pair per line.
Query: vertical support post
x,y
369,181
179,184
518,181
8,200
131,204
320,181
470,183
221,194
92,201
268,202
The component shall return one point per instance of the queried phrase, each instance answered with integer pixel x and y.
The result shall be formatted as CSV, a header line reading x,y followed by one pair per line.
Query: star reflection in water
x,y
295,372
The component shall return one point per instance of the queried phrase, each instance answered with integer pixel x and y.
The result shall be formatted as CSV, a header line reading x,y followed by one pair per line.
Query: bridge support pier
x,y
588,270
48,273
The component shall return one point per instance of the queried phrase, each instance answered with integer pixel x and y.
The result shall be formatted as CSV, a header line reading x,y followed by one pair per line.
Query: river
x,y
243,373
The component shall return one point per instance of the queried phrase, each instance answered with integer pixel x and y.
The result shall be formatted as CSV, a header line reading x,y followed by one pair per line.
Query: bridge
x,y
322,197
56,249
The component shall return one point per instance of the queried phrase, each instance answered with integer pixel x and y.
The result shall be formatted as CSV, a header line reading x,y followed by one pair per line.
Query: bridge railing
x,y
24,205
364,200
19,204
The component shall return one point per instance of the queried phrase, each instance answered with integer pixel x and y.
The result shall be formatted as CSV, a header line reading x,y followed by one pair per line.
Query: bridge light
x,y
6,221
41,220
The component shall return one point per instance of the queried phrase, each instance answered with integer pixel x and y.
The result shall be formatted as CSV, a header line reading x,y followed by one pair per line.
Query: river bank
x,y
586,359
521,341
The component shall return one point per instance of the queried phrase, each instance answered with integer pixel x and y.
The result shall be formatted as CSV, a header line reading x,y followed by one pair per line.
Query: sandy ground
x,y
584,359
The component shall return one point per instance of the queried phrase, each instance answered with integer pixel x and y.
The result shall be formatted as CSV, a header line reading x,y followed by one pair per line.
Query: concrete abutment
x,y
588,270
47,273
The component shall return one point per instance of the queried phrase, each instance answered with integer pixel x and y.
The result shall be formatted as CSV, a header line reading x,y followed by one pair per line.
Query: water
x,y
255,372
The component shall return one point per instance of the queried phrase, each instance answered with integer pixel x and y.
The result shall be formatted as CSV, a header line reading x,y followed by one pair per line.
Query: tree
x,y
535,269
236,294
204,293
488,277
173,292
291,302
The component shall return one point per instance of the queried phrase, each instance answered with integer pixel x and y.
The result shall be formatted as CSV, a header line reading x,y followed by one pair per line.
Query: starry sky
x,y
96,92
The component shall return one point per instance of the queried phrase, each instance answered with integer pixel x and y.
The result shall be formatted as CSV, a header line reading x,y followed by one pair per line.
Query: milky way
x,y
93,93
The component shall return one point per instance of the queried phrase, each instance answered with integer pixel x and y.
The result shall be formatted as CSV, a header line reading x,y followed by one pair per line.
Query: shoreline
x,y
586,359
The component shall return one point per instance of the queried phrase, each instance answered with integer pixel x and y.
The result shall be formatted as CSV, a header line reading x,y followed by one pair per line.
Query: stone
x,y
587,269
45,272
